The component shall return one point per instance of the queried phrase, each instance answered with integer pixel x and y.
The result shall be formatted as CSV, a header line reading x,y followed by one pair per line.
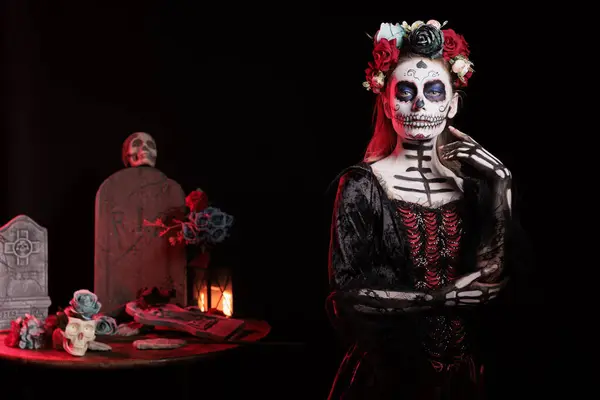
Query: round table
x,y
126,368
124,355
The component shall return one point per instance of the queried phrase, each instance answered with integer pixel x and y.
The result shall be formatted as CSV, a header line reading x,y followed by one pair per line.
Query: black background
x,y
261,108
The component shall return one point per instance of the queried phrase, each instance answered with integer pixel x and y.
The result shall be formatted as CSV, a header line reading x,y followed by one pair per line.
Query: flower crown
x,y
425,39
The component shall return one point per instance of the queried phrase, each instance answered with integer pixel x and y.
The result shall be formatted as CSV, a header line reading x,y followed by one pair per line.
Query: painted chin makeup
x,y
422,126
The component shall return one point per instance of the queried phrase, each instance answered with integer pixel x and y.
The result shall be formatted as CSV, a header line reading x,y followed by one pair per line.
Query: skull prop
x,y
139,149
78,334
420,99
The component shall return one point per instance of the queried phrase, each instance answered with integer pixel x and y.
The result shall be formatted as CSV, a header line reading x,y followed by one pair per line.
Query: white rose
x,y
379,78
435,23
465,70
458,66
389,32
416,24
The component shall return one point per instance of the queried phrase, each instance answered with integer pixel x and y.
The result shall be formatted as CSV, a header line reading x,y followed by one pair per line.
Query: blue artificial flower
x,y
85,303
218,235
219,219
201,220
105,325
208,226
189,233
31,334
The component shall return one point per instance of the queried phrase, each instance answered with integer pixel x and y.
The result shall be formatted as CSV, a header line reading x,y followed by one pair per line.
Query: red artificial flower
x,y
57,338
14,335
458,83
385,54
196,200
154,296
454,44
50,324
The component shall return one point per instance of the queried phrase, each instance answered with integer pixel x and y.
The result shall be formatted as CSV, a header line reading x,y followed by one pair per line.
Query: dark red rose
x,y
50,324
14,335
196,200
464,82
57,338
154,296
454,44
62,320
385,54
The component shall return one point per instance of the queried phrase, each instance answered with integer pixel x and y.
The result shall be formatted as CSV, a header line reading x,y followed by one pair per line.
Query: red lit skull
x,y
139,149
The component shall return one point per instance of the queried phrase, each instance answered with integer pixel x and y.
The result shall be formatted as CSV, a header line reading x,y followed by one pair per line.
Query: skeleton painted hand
x,y
467,291
468,150
392,302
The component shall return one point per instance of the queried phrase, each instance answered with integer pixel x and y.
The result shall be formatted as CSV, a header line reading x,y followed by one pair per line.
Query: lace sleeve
x,y
362,304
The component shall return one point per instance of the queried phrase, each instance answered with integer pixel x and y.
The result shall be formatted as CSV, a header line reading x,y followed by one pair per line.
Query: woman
x,y
420,229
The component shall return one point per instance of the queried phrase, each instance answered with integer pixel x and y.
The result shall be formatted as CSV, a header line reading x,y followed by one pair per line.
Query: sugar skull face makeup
x,y
420,98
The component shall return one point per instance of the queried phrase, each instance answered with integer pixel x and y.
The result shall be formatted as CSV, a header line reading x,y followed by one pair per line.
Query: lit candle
x,y
201,302
227,306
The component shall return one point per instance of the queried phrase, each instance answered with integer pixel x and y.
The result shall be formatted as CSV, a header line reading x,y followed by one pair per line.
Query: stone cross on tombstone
x,y
128,255
23,270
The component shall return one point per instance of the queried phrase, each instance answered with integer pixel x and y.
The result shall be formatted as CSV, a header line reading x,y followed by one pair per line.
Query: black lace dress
x,y
383,244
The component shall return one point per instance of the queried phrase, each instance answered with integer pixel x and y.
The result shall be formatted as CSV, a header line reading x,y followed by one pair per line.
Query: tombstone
x,y
23,270
128,255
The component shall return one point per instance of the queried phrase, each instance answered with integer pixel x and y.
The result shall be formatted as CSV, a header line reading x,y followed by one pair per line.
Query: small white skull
x,y
78,334
139,149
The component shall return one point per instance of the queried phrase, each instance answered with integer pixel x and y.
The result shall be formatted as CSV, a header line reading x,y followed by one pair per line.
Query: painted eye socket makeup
x,y
406,91
435,91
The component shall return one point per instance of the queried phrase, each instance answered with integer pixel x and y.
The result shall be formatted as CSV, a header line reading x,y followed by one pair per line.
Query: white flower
x,y
416,24
405,26
465,70
379,78
434,23
461,66
458,66
389,32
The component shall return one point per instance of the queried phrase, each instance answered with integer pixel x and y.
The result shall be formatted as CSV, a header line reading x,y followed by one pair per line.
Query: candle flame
x,y
202,303
227,306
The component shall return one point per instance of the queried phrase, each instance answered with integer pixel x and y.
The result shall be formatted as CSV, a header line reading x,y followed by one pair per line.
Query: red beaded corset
x,y
433,240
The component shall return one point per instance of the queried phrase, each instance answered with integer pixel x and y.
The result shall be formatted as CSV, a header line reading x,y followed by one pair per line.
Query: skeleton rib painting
x,y
421,229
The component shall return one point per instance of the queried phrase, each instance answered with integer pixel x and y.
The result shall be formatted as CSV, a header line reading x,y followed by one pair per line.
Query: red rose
x,y
57,338
196,200
50,324
385,54
14,336
154,296
458,83
454,44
